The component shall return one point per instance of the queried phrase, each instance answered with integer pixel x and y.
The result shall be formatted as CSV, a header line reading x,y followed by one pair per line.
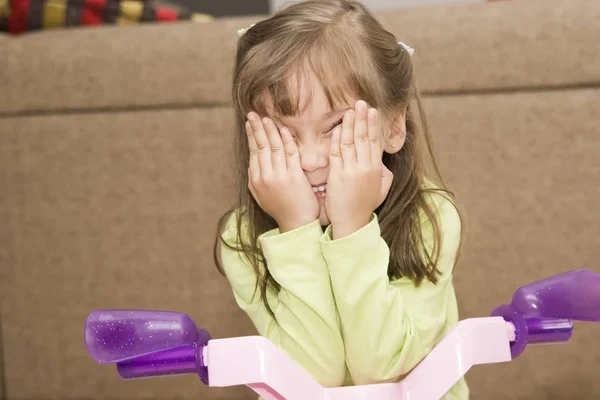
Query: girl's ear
x,y
396,132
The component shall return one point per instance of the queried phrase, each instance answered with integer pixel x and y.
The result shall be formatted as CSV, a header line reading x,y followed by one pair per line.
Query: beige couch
x,y
114,170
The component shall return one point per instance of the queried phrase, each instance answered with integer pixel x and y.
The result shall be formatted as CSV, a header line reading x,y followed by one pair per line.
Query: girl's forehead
x,y
313,101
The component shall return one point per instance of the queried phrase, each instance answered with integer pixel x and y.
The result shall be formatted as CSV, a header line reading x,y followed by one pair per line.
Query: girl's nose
x,y
313,156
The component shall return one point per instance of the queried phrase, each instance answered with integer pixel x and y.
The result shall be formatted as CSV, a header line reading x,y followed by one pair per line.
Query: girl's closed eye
x,y
280,127
334,125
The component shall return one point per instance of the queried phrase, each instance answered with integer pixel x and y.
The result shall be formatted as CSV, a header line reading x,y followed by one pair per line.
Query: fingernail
x,y
265,121
360,104
251,116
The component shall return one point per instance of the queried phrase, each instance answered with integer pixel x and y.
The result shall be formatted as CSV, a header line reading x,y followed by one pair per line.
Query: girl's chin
x,y
323,217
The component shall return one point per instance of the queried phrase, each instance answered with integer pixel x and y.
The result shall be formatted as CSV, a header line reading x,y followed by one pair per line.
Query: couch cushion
x,y
474,47
113,210
524,169
119,210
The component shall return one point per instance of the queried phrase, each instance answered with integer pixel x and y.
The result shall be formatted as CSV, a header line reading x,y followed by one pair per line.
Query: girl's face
x,y
312,131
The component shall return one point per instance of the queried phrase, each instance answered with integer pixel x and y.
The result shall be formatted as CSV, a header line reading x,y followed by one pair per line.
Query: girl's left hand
x,y
358,181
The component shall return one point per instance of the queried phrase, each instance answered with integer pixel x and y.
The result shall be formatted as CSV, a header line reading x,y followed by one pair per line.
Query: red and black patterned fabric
x,y
21,16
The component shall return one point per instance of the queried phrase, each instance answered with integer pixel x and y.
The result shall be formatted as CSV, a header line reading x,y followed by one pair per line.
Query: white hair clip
x,y
406,47
241,32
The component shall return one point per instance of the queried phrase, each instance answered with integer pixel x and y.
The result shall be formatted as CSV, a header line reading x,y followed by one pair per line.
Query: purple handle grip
x,y
186,359
534,330
574,295
542,311
147,343
548,330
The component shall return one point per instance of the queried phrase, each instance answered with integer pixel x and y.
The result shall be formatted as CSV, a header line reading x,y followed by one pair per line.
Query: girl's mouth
x,y
320,191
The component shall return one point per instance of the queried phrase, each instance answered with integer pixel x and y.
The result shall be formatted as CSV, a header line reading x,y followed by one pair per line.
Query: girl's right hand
x,y
275,177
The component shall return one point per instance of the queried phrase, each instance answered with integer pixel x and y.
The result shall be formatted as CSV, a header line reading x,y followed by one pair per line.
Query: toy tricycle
x,y
159,343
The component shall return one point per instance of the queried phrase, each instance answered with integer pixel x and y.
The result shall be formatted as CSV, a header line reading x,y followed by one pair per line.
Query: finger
x,y
262,143
375,133
254,169
335,155
348,149
361,133
291,150
277,154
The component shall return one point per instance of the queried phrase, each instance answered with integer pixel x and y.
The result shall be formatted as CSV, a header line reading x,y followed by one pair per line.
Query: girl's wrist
x,y
288,226
341,230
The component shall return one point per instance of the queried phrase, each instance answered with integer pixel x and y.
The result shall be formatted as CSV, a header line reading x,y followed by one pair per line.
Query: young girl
x,y
338,248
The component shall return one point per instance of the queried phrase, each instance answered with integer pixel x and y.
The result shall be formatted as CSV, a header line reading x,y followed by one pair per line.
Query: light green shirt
x,y
338,314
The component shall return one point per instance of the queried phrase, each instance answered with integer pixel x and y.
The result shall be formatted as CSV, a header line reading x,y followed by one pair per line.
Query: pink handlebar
x,y
157,343
183,354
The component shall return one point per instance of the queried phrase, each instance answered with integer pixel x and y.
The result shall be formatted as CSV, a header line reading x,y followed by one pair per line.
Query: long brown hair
x,y
341,44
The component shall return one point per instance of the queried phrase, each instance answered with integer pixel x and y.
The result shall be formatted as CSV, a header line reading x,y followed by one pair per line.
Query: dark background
x,y
222,8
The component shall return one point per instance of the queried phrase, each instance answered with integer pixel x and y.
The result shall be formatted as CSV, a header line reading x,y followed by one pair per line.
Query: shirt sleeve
x,y
389,327
306,324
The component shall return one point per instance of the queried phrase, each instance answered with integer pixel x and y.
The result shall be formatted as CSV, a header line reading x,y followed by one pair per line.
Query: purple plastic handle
x,y
574,295
186,359
542,311
548,330
147,343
